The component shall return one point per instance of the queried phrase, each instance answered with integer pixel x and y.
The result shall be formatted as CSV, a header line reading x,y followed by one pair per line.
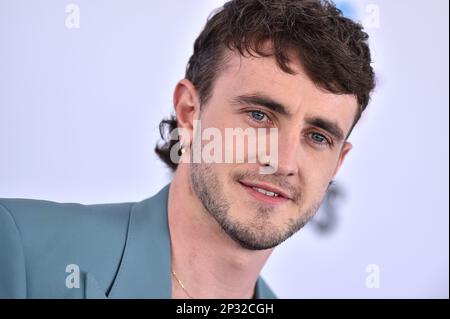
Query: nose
x,y
285,161
287,155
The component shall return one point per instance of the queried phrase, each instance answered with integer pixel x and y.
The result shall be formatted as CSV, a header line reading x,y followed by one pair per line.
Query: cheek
x,y
235,144
318,172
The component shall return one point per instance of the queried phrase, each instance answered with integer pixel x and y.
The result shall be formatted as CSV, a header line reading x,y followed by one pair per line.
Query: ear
x,y
345,150
187,108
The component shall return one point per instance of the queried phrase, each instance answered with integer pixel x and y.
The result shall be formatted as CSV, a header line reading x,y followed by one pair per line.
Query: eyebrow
x,y
260,99
326,125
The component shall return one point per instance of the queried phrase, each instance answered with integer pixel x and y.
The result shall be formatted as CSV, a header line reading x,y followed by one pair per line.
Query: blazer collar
x,y
145,268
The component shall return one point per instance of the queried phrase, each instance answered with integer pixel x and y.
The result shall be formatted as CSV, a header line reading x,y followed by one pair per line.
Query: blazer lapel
x,y
145,268
262,290
92,288
144,271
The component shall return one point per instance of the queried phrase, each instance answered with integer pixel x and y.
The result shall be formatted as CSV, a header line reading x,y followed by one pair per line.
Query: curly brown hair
x,y
333,49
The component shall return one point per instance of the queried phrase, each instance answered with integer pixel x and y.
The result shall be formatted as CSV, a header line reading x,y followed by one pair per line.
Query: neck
x,y
206,260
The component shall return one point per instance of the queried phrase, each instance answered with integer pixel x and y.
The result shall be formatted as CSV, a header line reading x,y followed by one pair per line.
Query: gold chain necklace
x,y
181,285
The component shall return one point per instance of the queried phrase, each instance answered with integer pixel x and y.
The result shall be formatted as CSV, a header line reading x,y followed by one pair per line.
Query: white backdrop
x,y
80,108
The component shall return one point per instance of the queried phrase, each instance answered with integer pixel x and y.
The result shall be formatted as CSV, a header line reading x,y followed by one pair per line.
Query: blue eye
x,y
258,116
319,138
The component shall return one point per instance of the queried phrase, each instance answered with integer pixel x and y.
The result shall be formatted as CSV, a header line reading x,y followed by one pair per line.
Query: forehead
x,y
297,92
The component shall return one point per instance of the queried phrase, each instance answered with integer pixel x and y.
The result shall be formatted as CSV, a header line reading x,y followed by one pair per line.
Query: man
x,y
294,68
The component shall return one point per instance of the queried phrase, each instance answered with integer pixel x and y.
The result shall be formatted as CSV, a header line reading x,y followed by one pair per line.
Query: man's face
x,y
312,125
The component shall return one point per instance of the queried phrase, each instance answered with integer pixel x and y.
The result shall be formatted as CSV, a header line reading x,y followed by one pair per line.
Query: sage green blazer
x,y
54,250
